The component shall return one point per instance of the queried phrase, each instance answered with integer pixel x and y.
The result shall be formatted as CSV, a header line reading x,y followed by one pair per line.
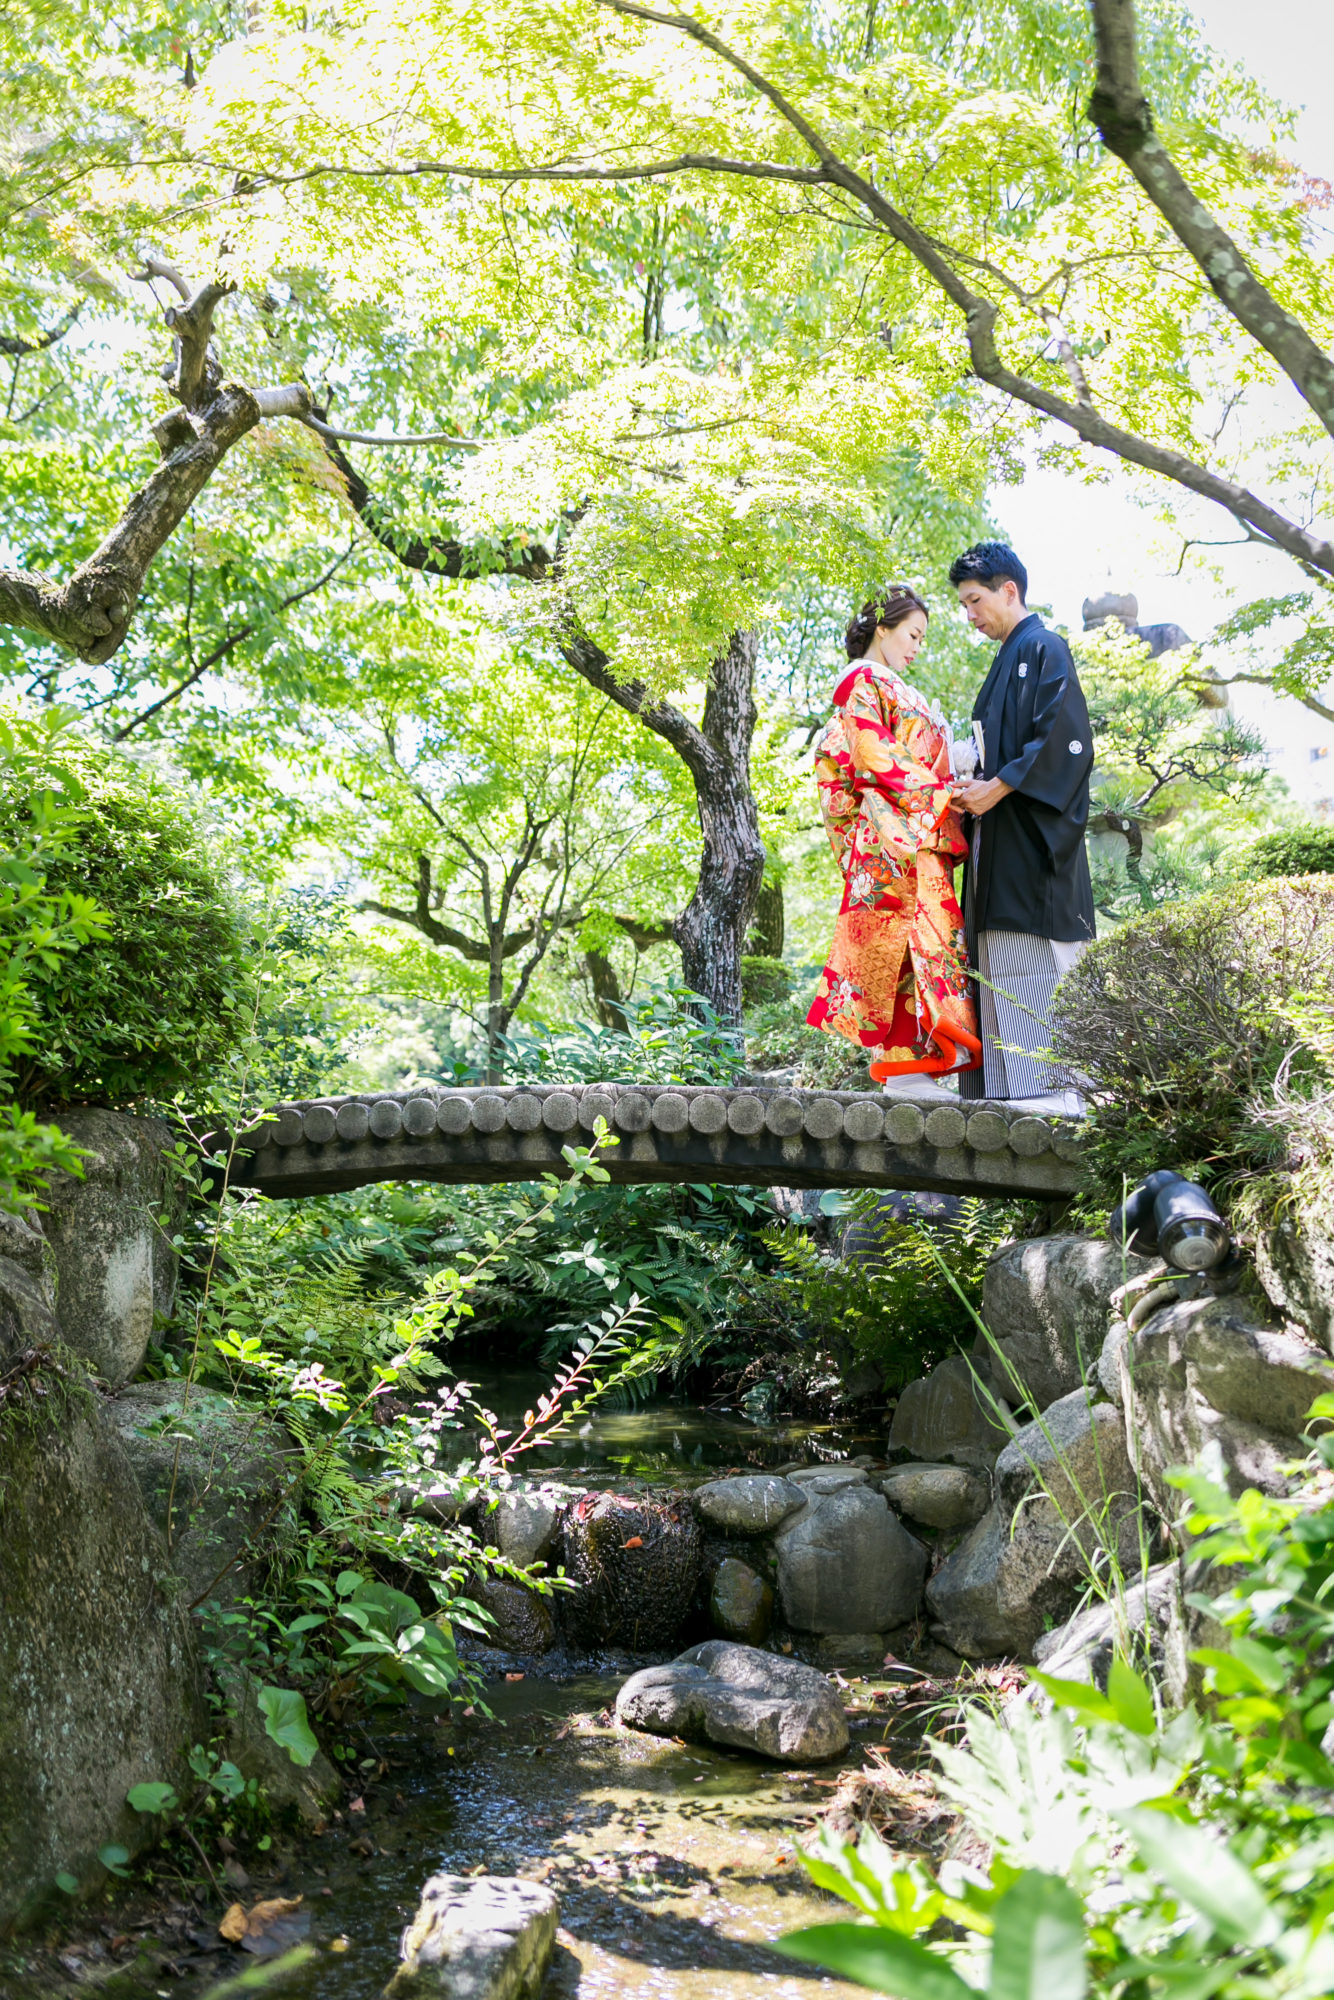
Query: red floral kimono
x,y
897,977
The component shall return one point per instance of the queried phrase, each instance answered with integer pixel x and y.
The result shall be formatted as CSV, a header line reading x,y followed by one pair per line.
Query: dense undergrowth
x,y
1112,1845
1197,1028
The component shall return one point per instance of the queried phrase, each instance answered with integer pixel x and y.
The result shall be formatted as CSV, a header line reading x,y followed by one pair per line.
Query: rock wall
x,y
1029,1487
100,1685
120,1504
114,1262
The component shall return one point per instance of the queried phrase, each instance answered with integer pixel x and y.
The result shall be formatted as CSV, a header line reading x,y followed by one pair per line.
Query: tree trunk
x,y
608,1000
711,930
767,931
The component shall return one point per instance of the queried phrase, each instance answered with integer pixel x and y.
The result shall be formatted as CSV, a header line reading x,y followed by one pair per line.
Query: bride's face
x,y
898,645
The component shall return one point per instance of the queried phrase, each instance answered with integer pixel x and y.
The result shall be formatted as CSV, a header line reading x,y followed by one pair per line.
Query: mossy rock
x,y
636,1562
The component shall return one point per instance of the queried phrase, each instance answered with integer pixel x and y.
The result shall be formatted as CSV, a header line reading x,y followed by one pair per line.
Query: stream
x,y
664,1437
674,1864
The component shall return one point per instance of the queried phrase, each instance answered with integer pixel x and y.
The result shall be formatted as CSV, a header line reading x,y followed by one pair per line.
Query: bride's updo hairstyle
x,y
895,603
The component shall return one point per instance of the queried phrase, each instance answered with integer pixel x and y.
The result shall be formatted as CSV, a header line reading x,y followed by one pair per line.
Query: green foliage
x,y
672,1036
777,1038
1132,1853
39,926
371,1441
1274,1683
764,981
308,1021
1159,753
1182,1022
286,1722
161,988
906,1298
1294,850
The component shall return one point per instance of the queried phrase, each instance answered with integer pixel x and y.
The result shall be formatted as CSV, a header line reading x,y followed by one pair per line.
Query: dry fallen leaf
x,y
514,1677
268,1928
357,1806
635,1542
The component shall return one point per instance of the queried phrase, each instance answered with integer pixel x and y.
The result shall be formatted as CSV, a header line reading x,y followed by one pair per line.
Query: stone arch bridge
x,y
791,1138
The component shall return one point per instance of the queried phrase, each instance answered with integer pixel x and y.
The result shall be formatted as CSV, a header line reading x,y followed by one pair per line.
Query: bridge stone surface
x,y
790,1138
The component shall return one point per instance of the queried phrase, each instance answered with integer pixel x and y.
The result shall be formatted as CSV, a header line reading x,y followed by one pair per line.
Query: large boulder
x,y
947,1416
945,1497
1205,1385
217,1476
523,1523
100,1686
1046,1305
753,1504
521,1620
1066,1500
636,1562
847,1564
1296,1268
1146,1624
1158,1623
483,1937
741,1697
27,1289
116,1263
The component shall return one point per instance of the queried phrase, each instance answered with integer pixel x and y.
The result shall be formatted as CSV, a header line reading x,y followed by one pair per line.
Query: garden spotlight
x,y
1175,1217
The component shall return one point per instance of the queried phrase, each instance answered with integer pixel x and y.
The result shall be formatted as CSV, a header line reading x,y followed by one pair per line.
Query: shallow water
x,y
664,1437
674,1865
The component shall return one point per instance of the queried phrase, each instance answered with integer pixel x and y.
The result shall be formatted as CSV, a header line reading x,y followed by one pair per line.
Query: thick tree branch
x,y
1124,119
662,717
980,317
433,555
91,613
18,345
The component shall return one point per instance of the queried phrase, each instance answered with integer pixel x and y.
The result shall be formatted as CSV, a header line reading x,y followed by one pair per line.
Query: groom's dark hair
x,y
990,563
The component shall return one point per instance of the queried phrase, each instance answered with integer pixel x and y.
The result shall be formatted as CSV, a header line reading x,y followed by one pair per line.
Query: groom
x,y
1028,903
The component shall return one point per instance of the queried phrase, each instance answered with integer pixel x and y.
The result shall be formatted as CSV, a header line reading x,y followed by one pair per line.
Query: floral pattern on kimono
x,y
897,979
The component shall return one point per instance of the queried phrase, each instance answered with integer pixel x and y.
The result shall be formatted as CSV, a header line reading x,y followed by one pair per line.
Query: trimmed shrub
x,y
1183,1020
1296,850
155,1006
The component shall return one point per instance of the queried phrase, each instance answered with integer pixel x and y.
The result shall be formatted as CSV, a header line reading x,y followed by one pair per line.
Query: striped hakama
x,y
1018,977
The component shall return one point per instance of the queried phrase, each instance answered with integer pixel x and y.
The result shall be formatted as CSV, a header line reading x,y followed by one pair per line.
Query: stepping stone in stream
x,y
741,1697
482,1937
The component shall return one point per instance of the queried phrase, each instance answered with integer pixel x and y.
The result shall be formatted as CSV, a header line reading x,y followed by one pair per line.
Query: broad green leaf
x,y
1079,1695
1037,1947
67,1882
151,1798
113,1857
1204,1874
1130,1697
285,1720
879,1959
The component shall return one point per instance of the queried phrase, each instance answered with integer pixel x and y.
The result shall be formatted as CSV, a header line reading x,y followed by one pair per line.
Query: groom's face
x,y
991,612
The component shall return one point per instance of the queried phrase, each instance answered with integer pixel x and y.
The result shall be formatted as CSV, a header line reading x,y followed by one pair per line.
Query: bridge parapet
x,y
793,1138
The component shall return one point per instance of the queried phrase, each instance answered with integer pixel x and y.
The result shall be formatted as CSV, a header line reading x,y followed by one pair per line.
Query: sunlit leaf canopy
x,y
723,384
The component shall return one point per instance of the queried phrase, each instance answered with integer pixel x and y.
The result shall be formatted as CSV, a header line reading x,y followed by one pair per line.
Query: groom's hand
x,y
979,795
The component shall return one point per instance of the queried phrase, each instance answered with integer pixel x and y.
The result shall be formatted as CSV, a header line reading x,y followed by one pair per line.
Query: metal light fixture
x,y
1168,1214
1191,1233
1131,1226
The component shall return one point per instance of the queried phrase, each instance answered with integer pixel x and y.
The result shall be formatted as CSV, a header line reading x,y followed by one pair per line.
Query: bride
x,y
897,978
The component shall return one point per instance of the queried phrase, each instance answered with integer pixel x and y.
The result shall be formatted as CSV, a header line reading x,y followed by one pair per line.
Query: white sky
x,y
1079,541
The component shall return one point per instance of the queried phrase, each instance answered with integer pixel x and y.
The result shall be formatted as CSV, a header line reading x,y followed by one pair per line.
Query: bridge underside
x,y
789,1138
